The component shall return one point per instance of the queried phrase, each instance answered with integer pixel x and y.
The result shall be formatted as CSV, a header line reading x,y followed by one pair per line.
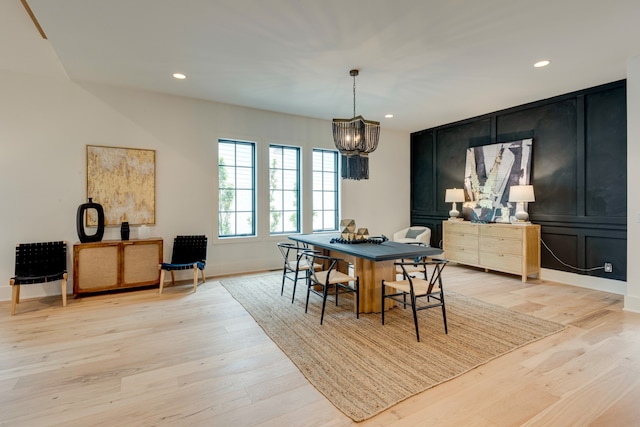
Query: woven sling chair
x,y
189,252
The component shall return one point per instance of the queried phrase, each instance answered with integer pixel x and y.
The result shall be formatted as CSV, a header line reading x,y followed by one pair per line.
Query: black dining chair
x,y
293,269
416,289
413,266
329,278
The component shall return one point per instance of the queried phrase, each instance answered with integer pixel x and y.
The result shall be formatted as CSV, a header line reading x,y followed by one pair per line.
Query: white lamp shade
x,y
521,193
453,195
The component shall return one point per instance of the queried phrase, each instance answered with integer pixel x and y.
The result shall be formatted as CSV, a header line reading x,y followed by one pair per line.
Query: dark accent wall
x,y
579,172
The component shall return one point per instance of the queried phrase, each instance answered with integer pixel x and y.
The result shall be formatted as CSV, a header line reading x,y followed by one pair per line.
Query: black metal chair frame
x,y
320,282
292,267
39,263
412,267
412,282
189,252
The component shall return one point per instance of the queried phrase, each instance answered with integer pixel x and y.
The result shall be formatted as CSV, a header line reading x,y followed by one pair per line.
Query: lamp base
x,y
522,216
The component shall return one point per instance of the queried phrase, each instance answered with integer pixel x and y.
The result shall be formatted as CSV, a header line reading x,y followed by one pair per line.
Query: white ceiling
x,y
428,62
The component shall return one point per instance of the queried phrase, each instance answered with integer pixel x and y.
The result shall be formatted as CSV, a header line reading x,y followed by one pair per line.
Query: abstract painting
x,y
489,172
122,180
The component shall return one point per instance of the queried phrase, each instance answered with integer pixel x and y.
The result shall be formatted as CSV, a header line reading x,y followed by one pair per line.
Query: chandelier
x,y
355,138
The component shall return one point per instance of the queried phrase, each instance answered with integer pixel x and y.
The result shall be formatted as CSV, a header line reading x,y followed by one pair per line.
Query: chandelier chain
x,y
354,95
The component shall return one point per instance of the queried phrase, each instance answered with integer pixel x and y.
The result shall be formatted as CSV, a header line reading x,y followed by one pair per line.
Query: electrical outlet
x,y
608,267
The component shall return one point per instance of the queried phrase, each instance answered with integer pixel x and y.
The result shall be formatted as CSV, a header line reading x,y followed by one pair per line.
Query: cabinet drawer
x,y
500,245
506,263
460,227
508,231
462,256
468,241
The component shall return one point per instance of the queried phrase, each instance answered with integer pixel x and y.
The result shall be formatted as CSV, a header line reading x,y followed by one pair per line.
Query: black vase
x,y
124,230
80,215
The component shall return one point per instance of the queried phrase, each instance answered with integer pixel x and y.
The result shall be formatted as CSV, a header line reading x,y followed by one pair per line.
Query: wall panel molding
x,y
578,170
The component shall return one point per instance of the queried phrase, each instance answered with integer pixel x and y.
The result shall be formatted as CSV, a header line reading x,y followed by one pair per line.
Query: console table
x,y
115,264
507,248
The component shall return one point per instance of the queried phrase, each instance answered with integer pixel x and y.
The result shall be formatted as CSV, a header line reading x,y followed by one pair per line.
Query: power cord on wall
x,y
567,265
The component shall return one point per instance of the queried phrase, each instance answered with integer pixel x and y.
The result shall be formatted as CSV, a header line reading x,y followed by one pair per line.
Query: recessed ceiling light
x,y
541,64
179,76
389,116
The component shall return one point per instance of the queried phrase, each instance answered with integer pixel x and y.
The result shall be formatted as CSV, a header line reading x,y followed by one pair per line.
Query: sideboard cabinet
x,y
115,264
507,248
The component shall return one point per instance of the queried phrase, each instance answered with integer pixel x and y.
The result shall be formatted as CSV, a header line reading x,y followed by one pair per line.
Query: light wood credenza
x,y
507,248
115,264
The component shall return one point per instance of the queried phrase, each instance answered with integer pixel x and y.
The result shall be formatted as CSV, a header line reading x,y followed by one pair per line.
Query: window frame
x,y
254,190
336,172
298,188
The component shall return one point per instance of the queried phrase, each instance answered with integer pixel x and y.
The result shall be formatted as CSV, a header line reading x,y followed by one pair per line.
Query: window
x,y
236,188
325,190
284,189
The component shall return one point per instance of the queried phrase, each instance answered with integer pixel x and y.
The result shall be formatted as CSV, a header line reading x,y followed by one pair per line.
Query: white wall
x,y
632,299
48,121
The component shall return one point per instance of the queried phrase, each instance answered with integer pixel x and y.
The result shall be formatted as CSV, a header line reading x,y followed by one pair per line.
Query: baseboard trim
x,y
582,281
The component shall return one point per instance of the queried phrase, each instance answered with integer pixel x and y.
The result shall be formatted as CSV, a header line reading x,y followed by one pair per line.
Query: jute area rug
x,y
363,367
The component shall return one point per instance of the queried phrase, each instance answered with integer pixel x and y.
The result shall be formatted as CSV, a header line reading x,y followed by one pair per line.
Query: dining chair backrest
x,y
329,264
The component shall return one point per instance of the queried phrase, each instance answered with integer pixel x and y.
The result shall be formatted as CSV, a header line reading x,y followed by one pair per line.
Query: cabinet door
x,y
97,268
140,263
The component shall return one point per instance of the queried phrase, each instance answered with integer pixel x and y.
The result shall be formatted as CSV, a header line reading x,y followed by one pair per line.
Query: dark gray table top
x,y
385,251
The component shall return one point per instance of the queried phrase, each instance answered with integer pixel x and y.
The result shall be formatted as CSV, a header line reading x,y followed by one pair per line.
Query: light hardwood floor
x,y
184,359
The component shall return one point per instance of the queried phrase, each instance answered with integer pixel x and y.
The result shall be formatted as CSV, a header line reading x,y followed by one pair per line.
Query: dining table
x,y
372,260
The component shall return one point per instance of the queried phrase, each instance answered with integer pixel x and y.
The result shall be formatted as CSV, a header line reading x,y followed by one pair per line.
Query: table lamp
x,y
453,195
521,194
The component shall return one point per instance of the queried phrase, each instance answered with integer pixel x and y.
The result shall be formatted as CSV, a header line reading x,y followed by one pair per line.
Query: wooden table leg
x,y
371,274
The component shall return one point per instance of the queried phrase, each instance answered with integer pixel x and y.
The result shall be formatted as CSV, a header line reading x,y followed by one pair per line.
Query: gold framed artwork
x,y
123,181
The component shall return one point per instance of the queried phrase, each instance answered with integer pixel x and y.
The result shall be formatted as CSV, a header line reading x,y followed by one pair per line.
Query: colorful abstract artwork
x,y
489,172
